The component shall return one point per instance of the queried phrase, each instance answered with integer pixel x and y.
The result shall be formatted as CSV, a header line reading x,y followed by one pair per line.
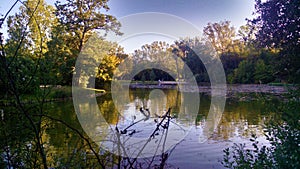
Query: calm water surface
x,y
236,125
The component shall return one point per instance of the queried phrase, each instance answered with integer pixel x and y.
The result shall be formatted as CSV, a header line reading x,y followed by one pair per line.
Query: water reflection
x,y
149,124
237,123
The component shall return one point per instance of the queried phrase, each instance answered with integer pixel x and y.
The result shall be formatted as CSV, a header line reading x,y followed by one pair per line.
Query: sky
x,y
197,12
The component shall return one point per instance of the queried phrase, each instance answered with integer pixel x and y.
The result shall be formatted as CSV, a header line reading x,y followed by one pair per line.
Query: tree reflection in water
x,y
66,148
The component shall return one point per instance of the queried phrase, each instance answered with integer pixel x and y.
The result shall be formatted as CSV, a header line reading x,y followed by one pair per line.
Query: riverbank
x,y
240,92
231,88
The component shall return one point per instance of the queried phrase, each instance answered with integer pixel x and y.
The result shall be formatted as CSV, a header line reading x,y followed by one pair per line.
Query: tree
x,y
244,72
32,26
246,33
278,23
78,20
221,36
263,72
20,60
42,21
155,54
28,35
230,62
24,61
98,61
198,56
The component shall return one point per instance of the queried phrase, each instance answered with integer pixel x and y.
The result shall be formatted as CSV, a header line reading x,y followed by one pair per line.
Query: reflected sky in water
x,y
238,122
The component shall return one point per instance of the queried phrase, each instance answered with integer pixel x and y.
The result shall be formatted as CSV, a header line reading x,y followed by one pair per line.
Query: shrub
x,y
284,138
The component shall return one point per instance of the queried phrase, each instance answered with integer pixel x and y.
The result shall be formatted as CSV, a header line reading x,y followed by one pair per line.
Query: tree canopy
x,y
278,24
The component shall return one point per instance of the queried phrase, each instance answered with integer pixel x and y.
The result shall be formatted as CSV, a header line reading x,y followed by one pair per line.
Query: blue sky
x,y
198,12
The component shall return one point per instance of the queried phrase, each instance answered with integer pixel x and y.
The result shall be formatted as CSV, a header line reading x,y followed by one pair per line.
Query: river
x,y
185,143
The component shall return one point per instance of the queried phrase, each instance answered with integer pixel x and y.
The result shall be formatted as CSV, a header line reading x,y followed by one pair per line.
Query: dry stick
x,y
164,158
164,117
152,135
123,148
120,146
68,164
144,119
133,124
155,153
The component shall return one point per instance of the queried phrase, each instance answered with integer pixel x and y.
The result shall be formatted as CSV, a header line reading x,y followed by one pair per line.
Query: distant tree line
x,y
264,50
245,57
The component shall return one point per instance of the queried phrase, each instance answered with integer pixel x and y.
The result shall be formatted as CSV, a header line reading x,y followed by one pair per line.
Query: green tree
x,y
25,65
21,60
31,25
197,56
78,20
221,36
263,72
230,62
278,23
28,35
244,72
99,60
43,19
155,54
61,53
246,33
278,27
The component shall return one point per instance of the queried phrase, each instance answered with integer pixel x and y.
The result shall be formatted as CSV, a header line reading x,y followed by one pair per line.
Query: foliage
x,y
278,27
32,26
278,22
155,55
222,37
77,22
259,69
284,138
230,61
262,72
197,56
244,72
30,59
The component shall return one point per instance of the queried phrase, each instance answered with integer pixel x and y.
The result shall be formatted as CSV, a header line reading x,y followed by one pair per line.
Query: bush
x,y
284,138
